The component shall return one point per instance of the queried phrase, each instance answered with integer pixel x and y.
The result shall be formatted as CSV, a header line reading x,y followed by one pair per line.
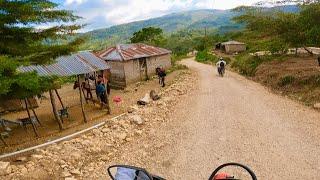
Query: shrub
x,y
247,64
205,56
286,80
175,65
313,80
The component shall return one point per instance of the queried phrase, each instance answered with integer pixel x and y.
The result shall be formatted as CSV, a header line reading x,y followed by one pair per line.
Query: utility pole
x,y
205,32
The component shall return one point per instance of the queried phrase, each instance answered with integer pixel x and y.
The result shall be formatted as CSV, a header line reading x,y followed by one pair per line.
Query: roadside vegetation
x,y
295,75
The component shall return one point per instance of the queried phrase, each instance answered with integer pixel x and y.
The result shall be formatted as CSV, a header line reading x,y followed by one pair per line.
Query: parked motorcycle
x,y
123,172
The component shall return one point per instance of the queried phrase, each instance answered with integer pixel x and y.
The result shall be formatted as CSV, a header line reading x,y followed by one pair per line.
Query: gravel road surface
x,y
200,122
232,119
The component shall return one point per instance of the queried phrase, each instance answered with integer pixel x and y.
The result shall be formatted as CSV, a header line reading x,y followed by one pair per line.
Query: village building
x,y
231,47
81,64
134,62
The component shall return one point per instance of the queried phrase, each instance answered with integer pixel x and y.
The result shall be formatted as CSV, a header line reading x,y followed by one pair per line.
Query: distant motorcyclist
x,y
221,64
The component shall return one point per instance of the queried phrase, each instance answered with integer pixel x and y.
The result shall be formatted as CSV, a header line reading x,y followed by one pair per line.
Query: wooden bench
x,y
4,123
27,121
64,113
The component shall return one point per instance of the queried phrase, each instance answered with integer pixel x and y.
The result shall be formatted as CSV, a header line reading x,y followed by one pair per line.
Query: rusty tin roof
x,y
76,64
124,52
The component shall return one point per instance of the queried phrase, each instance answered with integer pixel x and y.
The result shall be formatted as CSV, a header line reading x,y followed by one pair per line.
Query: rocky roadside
x,y
88,155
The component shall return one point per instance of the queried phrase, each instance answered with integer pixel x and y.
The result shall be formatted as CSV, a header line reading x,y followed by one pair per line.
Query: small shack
x,y
134,62
79,64
231,47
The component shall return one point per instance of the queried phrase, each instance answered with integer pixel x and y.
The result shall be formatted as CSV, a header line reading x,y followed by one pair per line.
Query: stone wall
x,y
132,71
232,48
127,72
156,61
117,79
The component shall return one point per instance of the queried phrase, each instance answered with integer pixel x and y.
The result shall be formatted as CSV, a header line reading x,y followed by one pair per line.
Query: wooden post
x,y
81,101
34,112
106,92
1,136
63,107
33,125
2,139
95,79
54,109
89,93
84,95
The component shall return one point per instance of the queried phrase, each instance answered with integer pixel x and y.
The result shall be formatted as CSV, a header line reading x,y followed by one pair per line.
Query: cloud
x,y
68,2
104,13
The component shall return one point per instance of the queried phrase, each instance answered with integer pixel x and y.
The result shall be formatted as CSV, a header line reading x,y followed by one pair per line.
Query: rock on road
x,y
232,119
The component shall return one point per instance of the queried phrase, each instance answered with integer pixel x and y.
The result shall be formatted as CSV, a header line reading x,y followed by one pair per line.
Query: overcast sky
x,y
105,13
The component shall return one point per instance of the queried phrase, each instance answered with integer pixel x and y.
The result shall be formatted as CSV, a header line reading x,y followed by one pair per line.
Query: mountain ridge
x,y
219,20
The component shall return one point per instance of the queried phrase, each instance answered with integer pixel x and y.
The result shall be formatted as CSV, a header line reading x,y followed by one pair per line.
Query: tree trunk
x,y
107,104
33,125
81,101
54,109
60,100
34,112
3,141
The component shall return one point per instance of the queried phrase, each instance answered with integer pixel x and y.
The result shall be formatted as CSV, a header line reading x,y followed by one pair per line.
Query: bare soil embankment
x,y
295,77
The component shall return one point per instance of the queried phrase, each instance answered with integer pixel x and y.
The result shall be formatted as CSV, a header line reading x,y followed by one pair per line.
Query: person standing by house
x,y
101,92
161,75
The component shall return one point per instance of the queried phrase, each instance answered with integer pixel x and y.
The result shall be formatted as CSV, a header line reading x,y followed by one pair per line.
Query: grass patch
x,y
247,64
313,81
206,57
175,63
286,80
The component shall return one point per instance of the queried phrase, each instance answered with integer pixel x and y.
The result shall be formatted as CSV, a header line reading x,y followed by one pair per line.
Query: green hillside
x,y
191,20
214,20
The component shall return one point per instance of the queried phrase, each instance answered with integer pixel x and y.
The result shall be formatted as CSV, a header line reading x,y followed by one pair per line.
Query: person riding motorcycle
x,y
221,64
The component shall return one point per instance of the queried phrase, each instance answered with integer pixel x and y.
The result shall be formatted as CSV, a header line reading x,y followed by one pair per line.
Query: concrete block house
x,y
134,62
231,47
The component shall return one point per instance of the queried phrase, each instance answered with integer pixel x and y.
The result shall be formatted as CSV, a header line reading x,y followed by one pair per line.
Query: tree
x,y
284,29
149,35
23,43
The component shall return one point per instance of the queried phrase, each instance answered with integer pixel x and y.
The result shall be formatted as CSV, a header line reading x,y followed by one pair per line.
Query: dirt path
x,y
233,119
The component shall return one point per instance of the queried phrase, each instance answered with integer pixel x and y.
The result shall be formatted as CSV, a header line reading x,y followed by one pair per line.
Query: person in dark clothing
x,y
319,60
161,74
101,92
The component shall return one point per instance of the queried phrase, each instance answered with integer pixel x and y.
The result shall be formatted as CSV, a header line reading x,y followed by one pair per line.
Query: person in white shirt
x,y
221,64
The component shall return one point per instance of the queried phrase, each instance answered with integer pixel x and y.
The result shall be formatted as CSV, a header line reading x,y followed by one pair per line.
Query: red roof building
x,y
134,62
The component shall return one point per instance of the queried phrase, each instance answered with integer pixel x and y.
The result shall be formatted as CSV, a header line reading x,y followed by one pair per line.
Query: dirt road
x,y
200,122
233,119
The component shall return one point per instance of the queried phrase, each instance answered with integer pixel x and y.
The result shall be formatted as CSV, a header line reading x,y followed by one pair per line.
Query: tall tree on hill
x,y
149,35
22,43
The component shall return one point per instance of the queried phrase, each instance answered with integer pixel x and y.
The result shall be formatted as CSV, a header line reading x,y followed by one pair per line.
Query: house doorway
x,y
143,69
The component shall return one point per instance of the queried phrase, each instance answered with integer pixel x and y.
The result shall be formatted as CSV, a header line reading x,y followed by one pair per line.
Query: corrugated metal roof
x,y
76,64
124,52
233,42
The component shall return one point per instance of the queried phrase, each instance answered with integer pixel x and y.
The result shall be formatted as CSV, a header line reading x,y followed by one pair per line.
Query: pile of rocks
x,y
88,155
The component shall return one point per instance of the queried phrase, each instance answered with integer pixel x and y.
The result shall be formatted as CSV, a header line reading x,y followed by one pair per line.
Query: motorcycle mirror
x,y
122,172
